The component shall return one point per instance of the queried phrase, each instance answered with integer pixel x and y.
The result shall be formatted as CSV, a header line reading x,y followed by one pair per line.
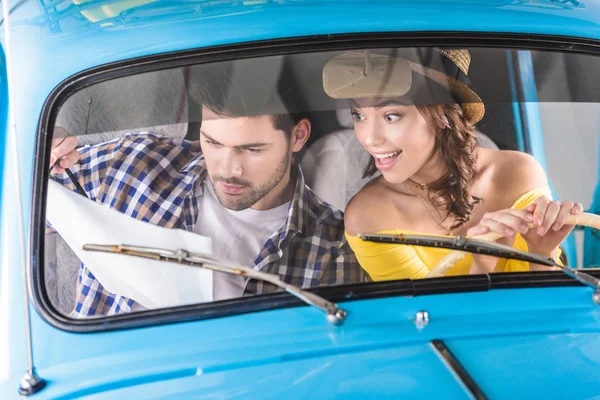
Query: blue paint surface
x,y
516,107
592,236
291,352
295,351
3,118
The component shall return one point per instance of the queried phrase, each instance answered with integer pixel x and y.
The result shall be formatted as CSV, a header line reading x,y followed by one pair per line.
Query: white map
x,y
153,284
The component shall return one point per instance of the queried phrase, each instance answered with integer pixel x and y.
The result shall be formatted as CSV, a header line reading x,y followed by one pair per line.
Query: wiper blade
x,y
483,247
459,243
335,314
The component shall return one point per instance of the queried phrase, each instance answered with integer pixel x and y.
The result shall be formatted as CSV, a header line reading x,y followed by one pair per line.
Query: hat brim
x,y
470,102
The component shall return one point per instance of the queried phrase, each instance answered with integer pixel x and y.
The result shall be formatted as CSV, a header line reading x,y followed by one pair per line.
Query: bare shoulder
x,y
367,208
512,173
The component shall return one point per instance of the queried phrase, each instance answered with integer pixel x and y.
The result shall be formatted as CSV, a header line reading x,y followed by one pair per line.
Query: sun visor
x,y
366,75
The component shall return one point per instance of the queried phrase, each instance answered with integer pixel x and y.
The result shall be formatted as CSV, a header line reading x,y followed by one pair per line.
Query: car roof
x,y
81,34
59,41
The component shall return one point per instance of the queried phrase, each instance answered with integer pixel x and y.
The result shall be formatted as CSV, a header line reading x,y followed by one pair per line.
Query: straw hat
x,y
361,74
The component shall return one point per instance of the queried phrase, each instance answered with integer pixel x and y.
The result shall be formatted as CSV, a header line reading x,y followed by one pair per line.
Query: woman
x,y
435,180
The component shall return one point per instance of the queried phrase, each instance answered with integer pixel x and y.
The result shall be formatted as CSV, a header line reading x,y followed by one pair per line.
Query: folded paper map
x,y
151,283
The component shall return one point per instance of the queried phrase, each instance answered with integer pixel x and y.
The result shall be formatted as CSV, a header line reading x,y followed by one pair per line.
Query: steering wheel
x,y
446,263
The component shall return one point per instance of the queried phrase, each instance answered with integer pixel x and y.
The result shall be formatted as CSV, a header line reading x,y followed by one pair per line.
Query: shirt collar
x,y
196,165
299,207
195,170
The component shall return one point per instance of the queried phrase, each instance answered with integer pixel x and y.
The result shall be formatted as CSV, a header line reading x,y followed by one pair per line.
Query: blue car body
x,y
516,342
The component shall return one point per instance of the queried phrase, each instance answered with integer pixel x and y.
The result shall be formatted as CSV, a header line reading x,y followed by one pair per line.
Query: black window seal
x,y
265,302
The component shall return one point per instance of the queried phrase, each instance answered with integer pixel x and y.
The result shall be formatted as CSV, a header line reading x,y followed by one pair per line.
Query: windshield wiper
x,y
484,247
335,315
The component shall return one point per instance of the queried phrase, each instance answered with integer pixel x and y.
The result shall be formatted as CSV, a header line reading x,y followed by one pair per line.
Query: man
x,y
240,185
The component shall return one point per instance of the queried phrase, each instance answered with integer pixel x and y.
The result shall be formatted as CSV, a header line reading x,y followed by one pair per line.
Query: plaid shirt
x,y
158,180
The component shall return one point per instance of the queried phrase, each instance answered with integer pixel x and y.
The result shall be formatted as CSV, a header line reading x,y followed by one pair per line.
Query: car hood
x,y
521,366
513,343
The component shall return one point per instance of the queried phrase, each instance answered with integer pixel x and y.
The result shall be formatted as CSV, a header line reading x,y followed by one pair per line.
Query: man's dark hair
x,y
287,122
252,88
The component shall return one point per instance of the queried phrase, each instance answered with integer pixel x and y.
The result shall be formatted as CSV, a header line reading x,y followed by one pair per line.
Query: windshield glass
x,y
283,163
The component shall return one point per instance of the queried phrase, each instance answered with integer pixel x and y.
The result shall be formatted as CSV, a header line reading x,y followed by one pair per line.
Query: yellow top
x,y
385,261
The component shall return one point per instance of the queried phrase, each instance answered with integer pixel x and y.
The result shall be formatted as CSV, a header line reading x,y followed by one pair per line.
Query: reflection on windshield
x,y
284,162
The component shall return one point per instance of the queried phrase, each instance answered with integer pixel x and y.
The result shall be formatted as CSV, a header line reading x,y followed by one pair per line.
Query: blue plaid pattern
x,y
158,180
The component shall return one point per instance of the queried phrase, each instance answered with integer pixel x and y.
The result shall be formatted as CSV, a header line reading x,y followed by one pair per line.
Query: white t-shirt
x,y
237,236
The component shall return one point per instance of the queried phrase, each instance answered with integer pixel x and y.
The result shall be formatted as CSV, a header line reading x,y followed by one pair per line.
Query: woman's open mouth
x,y
386,161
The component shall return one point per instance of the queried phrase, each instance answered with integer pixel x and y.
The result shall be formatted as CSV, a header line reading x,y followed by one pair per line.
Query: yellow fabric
x,y
383,261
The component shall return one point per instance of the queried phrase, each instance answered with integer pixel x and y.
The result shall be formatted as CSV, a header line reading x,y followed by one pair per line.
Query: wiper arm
x,y
335,315
459,243
484,247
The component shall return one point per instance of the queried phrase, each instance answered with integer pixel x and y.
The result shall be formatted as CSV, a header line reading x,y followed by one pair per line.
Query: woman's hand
x,y
542,225
506,223
549,229
63,149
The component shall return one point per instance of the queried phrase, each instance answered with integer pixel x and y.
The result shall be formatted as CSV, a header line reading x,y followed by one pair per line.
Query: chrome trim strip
x,y
453,364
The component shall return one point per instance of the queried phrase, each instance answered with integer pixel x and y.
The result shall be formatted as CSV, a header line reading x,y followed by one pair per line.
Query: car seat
x,y
333,166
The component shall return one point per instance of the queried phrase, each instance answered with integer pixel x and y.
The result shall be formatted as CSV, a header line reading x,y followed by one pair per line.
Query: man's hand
x,y
63,149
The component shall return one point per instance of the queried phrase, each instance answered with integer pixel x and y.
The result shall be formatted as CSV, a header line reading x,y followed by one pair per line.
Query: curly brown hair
x,y
456,141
